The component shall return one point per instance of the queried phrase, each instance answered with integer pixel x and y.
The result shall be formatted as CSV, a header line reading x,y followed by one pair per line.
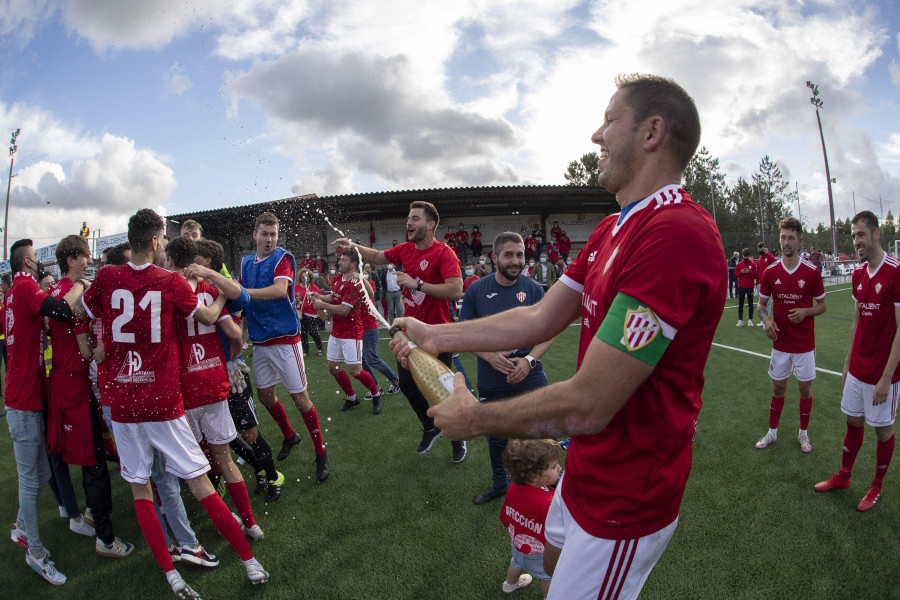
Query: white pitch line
x,y
769,357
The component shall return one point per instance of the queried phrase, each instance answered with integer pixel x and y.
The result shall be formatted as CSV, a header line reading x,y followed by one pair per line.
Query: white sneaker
x,y
524,581
19,536
767,440
81,527
118,548
63,512
803,438
88,516
255,533
740,324
255,573
760,324
749,323
45,568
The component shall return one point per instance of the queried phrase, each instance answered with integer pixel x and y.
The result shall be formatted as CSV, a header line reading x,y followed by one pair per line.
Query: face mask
x,y
480,262
543,259
307,256
530,263
39,267
332,271
315,274
470,272
318,257
304,279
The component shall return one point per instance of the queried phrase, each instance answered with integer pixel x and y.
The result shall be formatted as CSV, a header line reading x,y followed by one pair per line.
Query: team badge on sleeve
x,y
641,327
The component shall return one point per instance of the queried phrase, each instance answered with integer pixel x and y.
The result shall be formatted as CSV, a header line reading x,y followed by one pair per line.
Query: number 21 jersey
x,y
138,307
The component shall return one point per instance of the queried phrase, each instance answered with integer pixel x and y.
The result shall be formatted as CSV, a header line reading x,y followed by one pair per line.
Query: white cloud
x,y
175,80
19,19
43,136
137,23
107,186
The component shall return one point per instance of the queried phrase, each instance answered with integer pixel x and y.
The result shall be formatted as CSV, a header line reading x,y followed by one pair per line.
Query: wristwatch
x,y
531,361
419,286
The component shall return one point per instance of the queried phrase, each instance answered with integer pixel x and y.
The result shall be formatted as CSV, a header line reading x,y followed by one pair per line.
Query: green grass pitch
x,y
389,523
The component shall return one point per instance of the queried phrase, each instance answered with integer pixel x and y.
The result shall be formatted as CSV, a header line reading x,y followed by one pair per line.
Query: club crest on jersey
x,y
611,258
641,328
859,288
423,265
592,256
521,296
877,288
801,283
131,370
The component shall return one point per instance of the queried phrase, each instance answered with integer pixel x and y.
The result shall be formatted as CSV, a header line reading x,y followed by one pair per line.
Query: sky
x,y
183,105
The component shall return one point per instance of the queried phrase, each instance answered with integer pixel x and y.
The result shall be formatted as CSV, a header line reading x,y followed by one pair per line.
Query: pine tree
x,y
583,171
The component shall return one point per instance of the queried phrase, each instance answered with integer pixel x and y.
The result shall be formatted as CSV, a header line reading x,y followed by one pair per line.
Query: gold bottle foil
x,y
433,378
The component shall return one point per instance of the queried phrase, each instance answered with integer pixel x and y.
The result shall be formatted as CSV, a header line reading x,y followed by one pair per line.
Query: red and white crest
x,y
521,296
877,288
423,265
801,283
641,328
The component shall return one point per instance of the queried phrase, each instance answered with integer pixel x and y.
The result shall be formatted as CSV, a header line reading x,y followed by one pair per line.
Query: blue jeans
x,y
371,358
26,428
458,364
169,489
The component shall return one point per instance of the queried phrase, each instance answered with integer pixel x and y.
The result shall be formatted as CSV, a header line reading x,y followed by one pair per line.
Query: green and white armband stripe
x,y
635,329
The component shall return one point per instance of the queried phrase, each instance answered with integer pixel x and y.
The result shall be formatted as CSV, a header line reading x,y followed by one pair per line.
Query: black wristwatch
x,y
419,286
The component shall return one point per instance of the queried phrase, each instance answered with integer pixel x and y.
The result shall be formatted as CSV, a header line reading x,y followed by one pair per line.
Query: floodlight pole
x,y
12,152
818,104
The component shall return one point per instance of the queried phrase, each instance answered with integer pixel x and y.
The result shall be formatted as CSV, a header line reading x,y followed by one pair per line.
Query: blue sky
x,y
187,105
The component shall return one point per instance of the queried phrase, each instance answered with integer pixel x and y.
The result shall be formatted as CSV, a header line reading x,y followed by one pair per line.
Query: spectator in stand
x,y
538,233
553,251
307,262
462,241
816,258
531,248
483,268
565,244
377,289
544,273
475,246
746,274
560,268
529,267
555,231
470,277
732,278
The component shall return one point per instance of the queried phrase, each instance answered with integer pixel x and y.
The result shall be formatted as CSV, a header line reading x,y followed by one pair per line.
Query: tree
x,y
583,171
888,228
774,199
706,185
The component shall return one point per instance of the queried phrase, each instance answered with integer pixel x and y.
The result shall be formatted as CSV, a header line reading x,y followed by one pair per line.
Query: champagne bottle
x,y
433,378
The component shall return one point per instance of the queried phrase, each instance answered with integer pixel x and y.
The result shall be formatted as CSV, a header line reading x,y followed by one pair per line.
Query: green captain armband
x,y
635,329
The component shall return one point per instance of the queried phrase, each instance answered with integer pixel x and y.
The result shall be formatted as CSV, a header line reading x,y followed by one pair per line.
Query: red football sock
x,y
226,525
153,533
368,381
883,453
311,418
805,411
281,419
241,499
344,381
852,443
775,408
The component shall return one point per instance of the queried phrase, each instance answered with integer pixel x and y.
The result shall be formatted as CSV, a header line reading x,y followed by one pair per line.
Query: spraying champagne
x,y
433,378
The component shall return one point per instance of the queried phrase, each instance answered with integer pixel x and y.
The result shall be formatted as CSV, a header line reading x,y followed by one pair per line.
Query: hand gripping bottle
x,y
433,378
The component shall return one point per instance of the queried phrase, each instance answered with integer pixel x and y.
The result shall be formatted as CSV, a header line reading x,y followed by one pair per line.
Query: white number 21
x,y
124,300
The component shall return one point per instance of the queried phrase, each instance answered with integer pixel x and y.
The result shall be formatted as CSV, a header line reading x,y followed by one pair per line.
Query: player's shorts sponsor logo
x,y
198,360
131,370
521,296
641,328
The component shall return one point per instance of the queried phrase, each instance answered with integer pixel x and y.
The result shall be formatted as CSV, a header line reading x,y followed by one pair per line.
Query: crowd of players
x,y
146,366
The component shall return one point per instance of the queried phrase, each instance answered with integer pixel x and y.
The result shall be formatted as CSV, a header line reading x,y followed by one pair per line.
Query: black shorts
x,y
241,407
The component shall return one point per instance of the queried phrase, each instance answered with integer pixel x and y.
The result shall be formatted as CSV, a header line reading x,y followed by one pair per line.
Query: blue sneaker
x,y
198,556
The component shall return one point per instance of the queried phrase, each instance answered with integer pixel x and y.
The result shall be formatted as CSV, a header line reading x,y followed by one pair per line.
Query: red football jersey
x,y
763,263
462,237
876,294
436,264
203,376
523,514
349,293
24,359
531,245
139,307
469,281
302,300
748,279
790,290
627,481
67,358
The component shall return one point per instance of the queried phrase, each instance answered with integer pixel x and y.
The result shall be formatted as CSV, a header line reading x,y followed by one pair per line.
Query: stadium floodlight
x,y
817,102
12,152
